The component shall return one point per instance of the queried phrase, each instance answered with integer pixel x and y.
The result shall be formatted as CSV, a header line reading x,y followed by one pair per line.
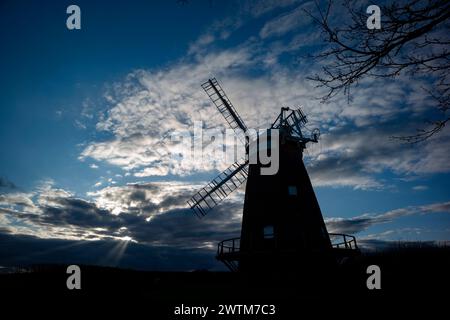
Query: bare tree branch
x,y
413,41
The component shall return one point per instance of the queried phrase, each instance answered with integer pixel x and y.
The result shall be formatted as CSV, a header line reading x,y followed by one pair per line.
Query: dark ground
x,y
409,278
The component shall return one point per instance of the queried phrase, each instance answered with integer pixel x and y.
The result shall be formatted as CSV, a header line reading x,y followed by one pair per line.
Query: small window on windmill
x,y
292,190
268,232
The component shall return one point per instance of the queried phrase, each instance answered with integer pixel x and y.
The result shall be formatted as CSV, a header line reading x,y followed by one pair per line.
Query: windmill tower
x,y
282,224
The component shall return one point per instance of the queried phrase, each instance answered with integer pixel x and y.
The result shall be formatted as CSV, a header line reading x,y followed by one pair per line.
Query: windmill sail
x,y
219,188
224,105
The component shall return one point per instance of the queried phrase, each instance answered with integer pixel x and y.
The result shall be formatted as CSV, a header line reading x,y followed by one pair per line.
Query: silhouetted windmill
x,y
282,221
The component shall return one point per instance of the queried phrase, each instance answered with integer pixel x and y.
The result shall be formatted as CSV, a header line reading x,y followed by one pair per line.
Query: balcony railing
x,y
343,241
229,246
338,241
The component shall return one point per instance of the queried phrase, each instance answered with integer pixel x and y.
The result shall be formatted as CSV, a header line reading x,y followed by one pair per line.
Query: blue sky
x,y
81,113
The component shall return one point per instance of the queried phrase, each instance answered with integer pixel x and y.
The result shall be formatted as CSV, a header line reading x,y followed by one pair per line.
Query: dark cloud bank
x,y
150,236
21,250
